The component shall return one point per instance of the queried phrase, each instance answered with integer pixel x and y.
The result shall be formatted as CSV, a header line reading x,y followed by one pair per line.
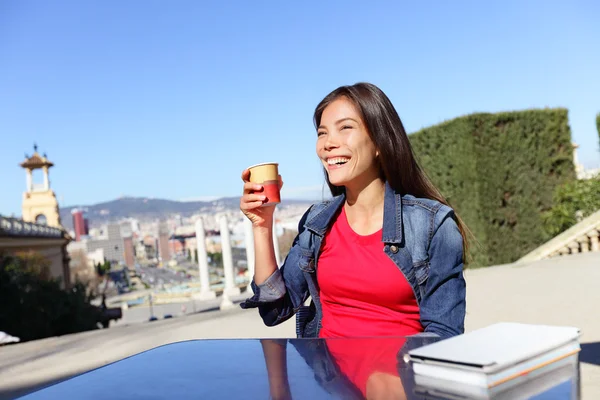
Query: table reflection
x,y
280,369
349,368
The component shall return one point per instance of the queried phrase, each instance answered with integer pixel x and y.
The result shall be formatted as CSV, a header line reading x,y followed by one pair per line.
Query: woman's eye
x,y
346,127
320,133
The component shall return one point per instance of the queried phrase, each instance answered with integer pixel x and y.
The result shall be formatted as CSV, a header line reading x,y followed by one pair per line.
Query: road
x,y
161,276
139,314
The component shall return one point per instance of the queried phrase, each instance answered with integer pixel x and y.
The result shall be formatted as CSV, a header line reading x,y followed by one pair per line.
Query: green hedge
x,y
499,172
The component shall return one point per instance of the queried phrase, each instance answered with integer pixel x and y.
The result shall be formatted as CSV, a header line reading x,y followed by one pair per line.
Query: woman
x,y
384,257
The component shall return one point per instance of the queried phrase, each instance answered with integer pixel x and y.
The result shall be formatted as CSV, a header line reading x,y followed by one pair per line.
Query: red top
x,y
363,292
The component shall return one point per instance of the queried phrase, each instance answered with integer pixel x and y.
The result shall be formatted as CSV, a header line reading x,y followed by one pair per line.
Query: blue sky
x,y
173,99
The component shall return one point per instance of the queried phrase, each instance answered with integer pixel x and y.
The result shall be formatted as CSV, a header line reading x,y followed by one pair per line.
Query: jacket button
x,y
394,249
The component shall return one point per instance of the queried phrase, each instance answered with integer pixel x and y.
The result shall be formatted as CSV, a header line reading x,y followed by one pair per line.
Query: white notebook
x,y
493,355
522,388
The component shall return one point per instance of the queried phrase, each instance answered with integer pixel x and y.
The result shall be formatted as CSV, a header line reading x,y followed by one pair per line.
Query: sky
x,y
174,99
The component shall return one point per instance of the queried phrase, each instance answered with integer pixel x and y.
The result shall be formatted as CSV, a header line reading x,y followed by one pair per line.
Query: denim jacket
x,y
419,235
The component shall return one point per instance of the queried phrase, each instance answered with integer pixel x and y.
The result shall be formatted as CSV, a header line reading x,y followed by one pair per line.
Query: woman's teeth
x,y
337,160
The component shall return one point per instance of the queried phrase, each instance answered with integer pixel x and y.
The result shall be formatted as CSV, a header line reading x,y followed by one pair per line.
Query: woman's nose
x,y
331,142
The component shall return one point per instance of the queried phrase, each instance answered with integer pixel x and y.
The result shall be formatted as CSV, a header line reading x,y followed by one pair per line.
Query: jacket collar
x,y
392,216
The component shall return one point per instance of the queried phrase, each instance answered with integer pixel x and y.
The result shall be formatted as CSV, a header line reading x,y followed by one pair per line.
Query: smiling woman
x,y
384,256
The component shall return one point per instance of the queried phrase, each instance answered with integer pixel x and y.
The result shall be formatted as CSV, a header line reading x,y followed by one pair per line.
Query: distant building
x,y
164,252
18,236
129,251
580,170
149,242
80,224
113,244
39,201
40,231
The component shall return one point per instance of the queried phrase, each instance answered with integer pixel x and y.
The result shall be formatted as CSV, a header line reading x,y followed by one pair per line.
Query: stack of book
x,y
502,361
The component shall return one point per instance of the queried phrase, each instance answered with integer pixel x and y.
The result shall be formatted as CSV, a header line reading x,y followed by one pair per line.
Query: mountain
x,y
145,208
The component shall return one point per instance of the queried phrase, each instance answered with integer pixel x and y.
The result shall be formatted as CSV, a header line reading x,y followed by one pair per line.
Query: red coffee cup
x,y
267,175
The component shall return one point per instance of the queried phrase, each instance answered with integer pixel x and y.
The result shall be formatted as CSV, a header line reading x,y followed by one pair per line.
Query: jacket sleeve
x,y
279,297
443,304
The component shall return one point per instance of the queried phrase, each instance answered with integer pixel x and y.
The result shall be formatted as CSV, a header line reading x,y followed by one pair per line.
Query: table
x,y
268,369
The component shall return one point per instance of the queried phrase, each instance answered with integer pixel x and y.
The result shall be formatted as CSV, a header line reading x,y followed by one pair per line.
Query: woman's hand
x,y
252,201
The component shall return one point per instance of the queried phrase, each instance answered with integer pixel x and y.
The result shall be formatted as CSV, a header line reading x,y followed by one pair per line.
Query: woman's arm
x,y
280,294
444,302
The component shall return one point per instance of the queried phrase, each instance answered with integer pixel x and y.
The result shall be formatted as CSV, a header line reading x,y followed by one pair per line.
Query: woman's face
x,y
344,145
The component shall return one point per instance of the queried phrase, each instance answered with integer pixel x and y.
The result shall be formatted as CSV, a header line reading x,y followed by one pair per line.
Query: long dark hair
x,y
397,162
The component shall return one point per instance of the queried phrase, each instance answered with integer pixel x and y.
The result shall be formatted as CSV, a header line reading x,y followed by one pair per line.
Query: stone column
x,y
46,179
205,292
574,247
563,251
594,240
29,180
249,236
276,245
230,288
584,243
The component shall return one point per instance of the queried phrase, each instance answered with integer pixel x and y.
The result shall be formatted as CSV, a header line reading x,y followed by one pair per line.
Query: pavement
x,y
561,291
139,314
556,292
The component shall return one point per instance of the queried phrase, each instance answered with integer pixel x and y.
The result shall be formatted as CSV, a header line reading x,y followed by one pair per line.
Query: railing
x,y
17,227
584,237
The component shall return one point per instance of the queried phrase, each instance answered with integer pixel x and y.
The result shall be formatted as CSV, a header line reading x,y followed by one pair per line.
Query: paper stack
x,y
505,359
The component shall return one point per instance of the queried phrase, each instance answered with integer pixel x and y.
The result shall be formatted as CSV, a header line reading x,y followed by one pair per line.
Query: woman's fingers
x,y
251,205
250,187
250,197
246,175
251,201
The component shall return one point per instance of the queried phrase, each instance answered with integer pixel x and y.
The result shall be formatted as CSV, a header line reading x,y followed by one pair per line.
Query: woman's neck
x,y
366,197
364,206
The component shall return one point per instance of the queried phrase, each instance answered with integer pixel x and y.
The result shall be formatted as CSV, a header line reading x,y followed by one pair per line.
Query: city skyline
x,y
145,100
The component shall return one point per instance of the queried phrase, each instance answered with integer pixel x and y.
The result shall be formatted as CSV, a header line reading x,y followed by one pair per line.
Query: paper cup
x,y
267,175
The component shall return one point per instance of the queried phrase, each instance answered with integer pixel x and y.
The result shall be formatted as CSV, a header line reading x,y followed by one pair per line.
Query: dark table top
x,y
263,369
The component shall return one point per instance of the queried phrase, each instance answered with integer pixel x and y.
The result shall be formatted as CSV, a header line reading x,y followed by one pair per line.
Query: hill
x,y
145,208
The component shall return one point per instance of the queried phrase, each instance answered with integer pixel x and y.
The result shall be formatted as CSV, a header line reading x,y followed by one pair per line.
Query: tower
x,y
39,201
79,224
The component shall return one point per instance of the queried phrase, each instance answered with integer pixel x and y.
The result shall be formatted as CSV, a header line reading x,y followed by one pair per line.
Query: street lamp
x,y
152,317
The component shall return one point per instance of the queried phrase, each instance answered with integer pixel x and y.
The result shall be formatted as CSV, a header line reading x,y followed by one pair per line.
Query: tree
x,y
103,268
572,202
286,241
80,270
32,303
598,124
216,259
